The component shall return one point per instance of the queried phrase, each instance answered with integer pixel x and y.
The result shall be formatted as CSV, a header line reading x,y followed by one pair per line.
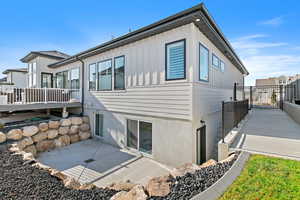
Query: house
x,y
157,90
16,77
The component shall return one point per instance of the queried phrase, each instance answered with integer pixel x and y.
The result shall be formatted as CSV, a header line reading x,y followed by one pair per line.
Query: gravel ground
x,y
189,185
20,180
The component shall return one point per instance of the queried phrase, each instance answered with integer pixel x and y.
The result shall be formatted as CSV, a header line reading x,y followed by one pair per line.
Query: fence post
x,y
45,95
251,101
234,92
281,97
223,122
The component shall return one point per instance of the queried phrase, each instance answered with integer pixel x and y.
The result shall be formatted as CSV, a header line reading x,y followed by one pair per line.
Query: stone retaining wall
x,y
293,110
47,136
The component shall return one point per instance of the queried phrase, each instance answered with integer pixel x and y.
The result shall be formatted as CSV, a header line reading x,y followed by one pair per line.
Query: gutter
x,y
82,85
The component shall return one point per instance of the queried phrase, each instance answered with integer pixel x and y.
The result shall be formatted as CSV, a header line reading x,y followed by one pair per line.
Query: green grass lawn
x,y
266,178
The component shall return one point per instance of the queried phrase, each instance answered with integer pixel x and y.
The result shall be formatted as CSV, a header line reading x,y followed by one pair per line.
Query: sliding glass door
x,y
139,135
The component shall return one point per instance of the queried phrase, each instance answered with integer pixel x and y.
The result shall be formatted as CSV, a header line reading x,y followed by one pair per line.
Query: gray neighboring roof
x,y
51,54
24,70
198,15
2,80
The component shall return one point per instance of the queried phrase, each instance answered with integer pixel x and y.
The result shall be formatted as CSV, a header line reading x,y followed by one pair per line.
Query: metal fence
x,y
232,113
292,92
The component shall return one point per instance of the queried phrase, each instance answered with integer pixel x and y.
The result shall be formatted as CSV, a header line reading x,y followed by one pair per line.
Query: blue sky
x,y
264,33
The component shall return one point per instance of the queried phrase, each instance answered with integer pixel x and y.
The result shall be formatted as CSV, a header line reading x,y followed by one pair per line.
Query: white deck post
x,y
45,94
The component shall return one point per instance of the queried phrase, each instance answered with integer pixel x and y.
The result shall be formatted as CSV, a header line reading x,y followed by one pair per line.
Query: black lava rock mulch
x,y
19,180
189,185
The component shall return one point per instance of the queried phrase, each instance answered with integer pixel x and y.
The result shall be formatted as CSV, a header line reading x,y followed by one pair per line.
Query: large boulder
x,y
40,136
65,122
136,193
45,145
84,127
52,133
2,137
84,135
184,169
74,138
208,163
74,130
43,126
58,143
159,186
85,119
76,120
29,131
25,142
14,134
54,124
122,186
31,149
64,130
65,140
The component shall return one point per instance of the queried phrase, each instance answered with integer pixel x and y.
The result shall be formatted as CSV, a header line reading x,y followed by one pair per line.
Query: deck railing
x,y
13,95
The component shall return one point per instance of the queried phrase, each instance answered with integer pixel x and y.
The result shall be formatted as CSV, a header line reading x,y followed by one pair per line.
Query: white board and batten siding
x,y
147,92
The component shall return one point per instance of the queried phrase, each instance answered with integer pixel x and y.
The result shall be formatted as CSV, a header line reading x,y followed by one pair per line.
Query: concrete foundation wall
x,y
292,110
172,140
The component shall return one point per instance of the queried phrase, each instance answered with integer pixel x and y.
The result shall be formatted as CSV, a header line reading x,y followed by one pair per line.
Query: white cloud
x,y
262,63
276,21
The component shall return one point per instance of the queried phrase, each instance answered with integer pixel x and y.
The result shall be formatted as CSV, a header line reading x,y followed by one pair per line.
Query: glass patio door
x,y
139,135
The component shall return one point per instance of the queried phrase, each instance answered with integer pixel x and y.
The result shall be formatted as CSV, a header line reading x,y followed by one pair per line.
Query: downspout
x,y
82,85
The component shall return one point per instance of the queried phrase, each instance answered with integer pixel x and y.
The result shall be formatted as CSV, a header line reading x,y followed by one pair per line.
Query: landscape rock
x,y
208,163
84,135
228,159
184,169
74,138
45,145
64,130
87,187
58,174
57,143
119,196
122,186
65,140
159,186
74,130
14,134
84,127
54,124
2,137
65,122
72,183
76,120
28,156
136,193
52,133
25,142
43,126
86,119
31,149
40,136
29,131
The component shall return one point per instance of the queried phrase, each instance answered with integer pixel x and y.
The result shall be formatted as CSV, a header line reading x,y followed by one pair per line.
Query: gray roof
x,y
24,70
52,54
198,15
2,80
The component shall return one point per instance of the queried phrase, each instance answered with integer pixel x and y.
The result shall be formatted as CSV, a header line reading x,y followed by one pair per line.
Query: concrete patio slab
x,y
270,132
109,164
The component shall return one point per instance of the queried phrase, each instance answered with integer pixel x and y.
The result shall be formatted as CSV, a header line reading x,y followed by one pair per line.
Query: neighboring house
x,y
39,75
281,80
16,77
157,90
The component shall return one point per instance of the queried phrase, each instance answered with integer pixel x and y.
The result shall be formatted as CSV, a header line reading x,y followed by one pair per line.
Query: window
x,y
105,75
139,135
92,76
204,63
74,78
222,66
62,79
119,73
46,80
215,61
99,125
175,60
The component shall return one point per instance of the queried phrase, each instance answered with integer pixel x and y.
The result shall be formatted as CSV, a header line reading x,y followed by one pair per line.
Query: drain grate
x,y
89,160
